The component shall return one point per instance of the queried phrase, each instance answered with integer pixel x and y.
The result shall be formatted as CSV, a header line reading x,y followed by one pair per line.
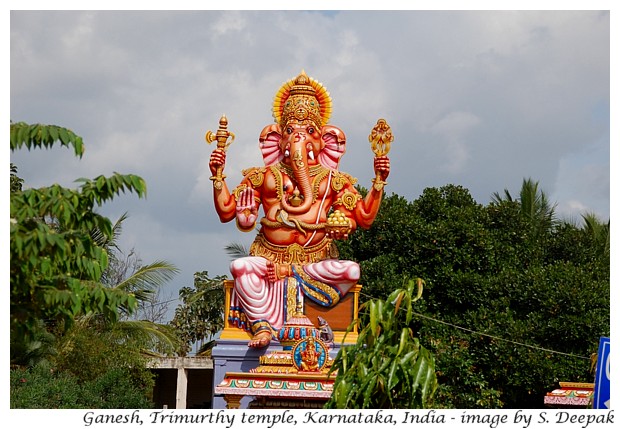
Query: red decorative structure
x,y
571,395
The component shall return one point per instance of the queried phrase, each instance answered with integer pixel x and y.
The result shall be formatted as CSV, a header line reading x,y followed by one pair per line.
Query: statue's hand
x,y
382,167
218,159
338,234
247,208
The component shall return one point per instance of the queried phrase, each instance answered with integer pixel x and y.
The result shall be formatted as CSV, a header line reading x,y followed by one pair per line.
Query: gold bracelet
x,y
378,184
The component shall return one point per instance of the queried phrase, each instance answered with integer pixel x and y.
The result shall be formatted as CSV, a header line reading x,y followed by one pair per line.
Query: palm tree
x,y
535,207
201,314
236,250
140,281
598,231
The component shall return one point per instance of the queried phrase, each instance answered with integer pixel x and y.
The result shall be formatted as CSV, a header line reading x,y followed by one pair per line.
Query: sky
x,y
478,98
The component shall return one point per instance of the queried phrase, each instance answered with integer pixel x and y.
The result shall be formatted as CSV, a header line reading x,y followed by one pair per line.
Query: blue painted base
x,y
236,356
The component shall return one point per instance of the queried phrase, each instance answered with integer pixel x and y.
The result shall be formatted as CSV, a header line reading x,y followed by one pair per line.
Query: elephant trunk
x,y
299,165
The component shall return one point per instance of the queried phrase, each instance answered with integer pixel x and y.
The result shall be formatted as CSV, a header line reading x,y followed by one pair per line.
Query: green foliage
x,y
39,349
142,282
117,389
387,367
43,388
88,351
599,232
237,250
16,181
200,315
44,136
515,299
71,309
460,380
535,208
56,265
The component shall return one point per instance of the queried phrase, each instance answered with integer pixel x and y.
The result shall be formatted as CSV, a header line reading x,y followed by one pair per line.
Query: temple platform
x,y
238,383
237,386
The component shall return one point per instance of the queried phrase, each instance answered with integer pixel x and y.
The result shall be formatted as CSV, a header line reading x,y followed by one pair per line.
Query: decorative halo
x,y
322,96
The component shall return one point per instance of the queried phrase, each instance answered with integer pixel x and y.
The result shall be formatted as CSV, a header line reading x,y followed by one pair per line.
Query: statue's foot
x,y
261,339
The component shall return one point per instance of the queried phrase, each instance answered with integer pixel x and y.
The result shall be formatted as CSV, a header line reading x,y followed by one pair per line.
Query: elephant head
x,y
301,146
301,137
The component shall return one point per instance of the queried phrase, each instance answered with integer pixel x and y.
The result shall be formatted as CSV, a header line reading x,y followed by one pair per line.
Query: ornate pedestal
x,y
276,390
234,356
298,372
283,375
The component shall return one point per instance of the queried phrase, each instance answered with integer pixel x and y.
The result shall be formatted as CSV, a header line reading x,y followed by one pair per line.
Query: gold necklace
x,y
318,172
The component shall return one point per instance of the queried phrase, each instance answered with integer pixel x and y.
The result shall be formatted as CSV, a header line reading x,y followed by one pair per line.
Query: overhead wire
x,y
494,336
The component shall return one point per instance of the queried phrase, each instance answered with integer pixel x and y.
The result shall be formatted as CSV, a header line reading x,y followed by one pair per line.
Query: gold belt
x,y
293,253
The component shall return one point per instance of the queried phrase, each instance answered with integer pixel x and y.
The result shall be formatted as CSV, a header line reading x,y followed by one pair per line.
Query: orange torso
x,y
280,184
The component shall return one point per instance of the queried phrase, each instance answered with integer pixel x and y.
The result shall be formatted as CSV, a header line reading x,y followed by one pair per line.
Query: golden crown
x,y
302,100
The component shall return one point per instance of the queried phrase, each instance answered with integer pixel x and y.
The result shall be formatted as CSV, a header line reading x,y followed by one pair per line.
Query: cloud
x,y
583,182
480,99
231,22
452,128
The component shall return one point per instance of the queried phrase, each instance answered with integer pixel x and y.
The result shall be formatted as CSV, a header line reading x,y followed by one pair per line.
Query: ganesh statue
x,y
307,203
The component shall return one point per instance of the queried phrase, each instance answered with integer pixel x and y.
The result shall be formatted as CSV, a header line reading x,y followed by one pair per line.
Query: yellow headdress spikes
x,y
302,99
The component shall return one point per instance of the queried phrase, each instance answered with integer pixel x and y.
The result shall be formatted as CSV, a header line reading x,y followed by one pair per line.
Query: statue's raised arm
x,y
224,203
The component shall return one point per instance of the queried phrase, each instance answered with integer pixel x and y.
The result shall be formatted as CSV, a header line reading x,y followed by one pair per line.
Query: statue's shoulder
x,y
253,170
341,179
255,175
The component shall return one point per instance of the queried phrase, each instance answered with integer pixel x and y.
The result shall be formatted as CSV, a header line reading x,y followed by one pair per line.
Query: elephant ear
x,y
335,146
269,143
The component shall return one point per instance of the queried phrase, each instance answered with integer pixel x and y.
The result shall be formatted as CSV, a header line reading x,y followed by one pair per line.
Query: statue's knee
x,y
238,267
248,265
350,270
354,272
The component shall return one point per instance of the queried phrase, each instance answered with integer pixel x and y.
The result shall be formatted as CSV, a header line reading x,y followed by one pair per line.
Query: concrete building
x,y
183,382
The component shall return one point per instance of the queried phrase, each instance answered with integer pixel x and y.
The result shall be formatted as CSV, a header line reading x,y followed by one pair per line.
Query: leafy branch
x,y
387,367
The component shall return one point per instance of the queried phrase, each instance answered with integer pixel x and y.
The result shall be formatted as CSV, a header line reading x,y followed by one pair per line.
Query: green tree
x,y
536,209
509,308
143,282
72,312
387,367
55,263
16,181
139,337
598,231
89,350
44,388
127,270
200,316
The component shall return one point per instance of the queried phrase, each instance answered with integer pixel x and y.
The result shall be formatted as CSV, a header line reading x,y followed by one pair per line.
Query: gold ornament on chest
x,y
285,182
